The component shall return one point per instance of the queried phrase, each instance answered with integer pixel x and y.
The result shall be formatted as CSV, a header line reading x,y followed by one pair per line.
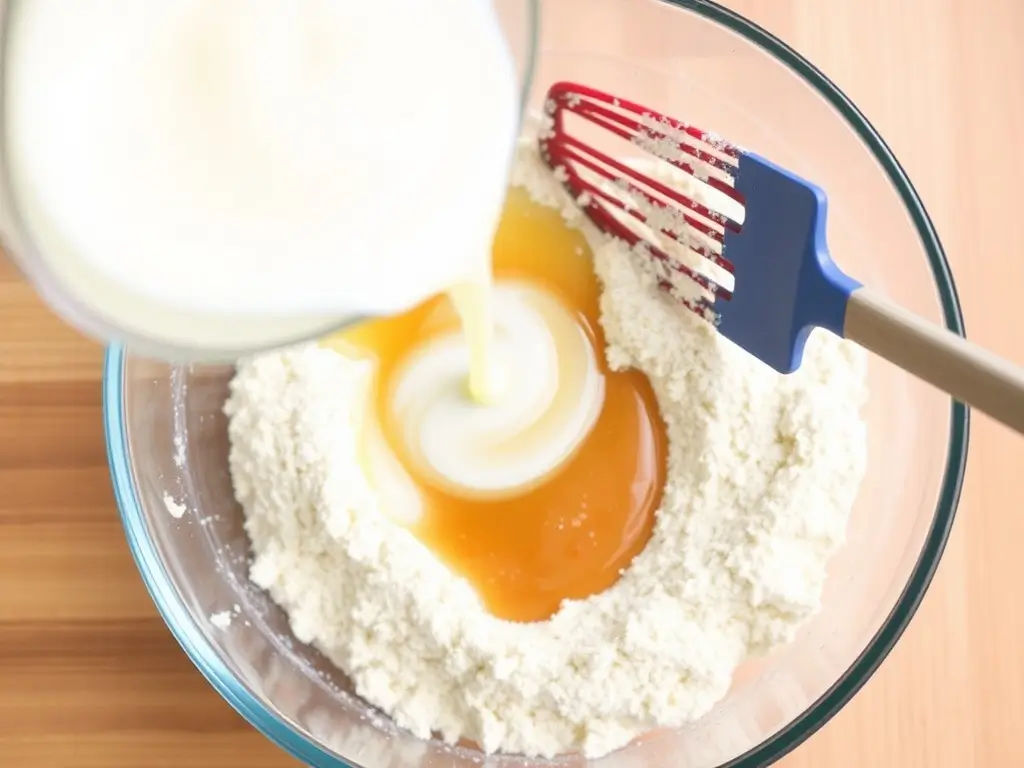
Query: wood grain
x,y
90,678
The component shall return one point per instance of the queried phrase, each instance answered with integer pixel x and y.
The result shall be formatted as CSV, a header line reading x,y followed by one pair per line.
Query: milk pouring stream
x,y
224,176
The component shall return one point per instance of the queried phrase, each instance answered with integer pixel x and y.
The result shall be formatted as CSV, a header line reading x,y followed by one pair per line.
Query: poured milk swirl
x,y
549,394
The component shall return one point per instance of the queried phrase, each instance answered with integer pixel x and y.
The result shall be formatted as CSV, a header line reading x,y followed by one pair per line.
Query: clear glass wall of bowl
x,y
691,60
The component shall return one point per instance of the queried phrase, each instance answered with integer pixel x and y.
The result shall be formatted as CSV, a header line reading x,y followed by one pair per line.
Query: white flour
x,y
221,619
174,509
762,473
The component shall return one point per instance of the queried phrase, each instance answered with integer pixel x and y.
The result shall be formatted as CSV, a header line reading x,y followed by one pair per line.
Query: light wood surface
x,y
89,676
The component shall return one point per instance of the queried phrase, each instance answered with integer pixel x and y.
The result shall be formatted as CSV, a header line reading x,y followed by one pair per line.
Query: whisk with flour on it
x,y
742,244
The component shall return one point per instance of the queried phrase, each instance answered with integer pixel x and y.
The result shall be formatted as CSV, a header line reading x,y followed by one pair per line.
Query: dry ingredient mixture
x,y
762,473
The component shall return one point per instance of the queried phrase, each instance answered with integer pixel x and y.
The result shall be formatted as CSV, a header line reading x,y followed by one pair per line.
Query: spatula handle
x,y
969,373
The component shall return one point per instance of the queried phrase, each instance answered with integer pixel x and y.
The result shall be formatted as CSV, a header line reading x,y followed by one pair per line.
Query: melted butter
x,y
571,536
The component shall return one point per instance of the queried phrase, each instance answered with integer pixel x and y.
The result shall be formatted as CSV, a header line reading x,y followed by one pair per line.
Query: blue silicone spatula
x,y
761,229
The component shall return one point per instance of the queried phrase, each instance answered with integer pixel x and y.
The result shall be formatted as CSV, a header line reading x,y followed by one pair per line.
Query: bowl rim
x,y
195,644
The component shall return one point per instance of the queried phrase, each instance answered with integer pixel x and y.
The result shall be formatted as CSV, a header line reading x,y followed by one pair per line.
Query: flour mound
x,y
762,472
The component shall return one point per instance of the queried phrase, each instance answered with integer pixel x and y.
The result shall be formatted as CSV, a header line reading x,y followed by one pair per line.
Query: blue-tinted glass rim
x,y
203,655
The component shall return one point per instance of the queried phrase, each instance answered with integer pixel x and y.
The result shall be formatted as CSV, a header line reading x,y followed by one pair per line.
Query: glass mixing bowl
x,y
166,433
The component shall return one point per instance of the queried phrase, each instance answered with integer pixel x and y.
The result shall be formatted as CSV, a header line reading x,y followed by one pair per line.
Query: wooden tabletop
x,y
90,677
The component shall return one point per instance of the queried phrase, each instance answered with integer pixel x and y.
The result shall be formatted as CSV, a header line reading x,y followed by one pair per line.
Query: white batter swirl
x,y
549,394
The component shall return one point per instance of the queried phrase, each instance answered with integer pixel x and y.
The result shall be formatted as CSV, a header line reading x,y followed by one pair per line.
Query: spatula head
x,y
786,283
759,229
